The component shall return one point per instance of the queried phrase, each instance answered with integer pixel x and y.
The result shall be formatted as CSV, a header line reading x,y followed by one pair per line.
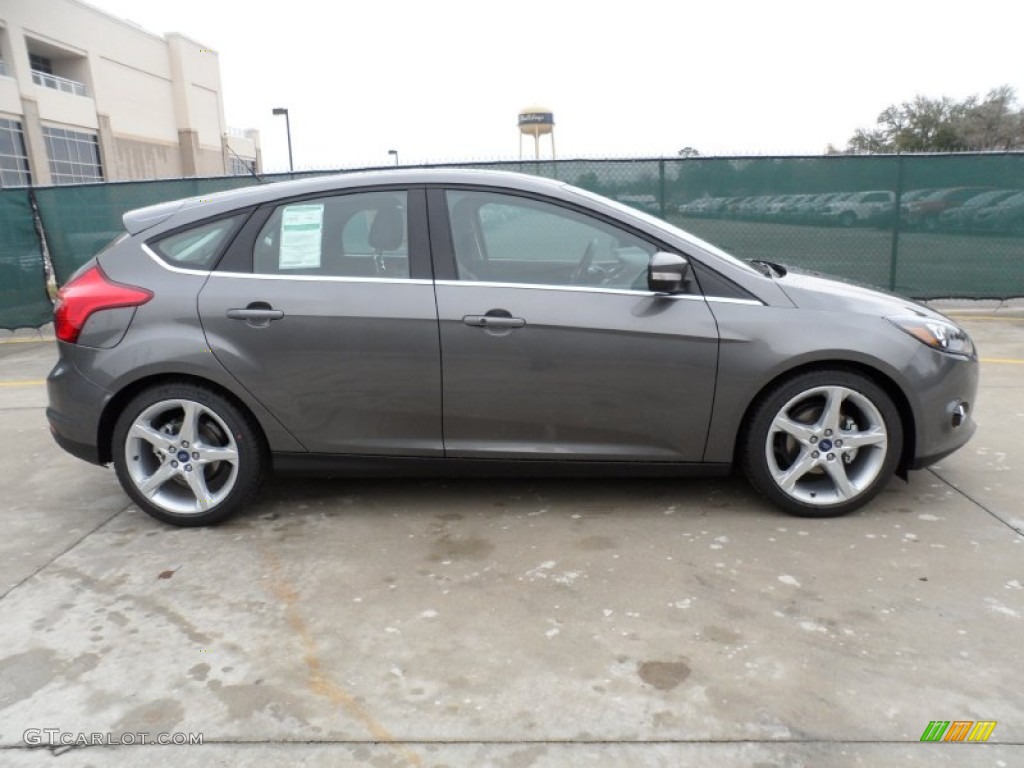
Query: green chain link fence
x,y
928,226
79,220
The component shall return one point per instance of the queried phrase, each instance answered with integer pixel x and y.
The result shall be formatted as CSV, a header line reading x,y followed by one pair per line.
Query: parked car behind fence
x,y
961,218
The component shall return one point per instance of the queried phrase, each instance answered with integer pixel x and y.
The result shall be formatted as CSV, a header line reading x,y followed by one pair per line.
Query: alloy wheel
x,y
181,456
826,445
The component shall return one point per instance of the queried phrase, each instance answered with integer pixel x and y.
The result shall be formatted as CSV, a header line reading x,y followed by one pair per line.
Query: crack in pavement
x,y
975,502
318,682
66,550
493,743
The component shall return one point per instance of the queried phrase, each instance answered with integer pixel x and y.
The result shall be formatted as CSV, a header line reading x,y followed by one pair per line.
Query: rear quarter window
x,y
200,246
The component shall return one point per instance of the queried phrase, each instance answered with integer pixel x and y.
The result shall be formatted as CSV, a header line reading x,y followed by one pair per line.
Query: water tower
x,y
536,122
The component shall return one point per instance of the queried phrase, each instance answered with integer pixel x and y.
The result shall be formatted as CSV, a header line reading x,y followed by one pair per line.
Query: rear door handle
x,y
492,321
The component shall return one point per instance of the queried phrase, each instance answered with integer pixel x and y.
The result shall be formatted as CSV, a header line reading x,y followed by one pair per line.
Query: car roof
x,y
177,212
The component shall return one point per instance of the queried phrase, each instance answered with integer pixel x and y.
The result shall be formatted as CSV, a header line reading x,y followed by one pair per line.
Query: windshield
x,y
664,225
987,198
1016,199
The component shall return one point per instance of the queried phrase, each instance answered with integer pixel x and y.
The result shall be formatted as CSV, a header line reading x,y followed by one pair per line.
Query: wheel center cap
x,y
183,456
825,445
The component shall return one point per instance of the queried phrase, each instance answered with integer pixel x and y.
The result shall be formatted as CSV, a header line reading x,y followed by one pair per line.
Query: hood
x,y
809,290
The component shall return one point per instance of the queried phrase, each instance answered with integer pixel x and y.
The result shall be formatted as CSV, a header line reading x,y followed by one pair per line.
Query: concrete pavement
x,y
528,623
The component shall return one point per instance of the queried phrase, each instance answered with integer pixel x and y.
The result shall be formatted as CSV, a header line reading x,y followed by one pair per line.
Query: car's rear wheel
x,y
187,455
822,443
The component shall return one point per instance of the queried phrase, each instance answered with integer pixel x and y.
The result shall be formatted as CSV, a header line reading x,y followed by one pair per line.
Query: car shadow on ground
x,y
298,497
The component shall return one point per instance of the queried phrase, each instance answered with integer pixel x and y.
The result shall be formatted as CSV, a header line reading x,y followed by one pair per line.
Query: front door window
x,y
508,239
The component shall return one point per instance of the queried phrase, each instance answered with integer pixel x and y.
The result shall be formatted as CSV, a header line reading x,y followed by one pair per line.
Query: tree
x,y
944,125
995,123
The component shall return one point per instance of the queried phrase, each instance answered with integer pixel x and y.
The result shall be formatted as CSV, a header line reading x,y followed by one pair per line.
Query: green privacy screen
x,y
23,299
925,226
928,226
80,220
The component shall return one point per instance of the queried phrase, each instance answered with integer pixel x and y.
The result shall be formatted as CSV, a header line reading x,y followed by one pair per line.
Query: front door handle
x,y
258,314
493,321
255,314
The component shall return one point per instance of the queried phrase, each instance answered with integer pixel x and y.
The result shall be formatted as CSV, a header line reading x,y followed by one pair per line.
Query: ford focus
x,y
475,323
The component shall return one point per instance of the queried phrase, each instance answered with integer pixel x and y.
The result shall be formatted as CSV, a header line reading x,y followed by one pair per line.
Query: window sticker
x,y
301,229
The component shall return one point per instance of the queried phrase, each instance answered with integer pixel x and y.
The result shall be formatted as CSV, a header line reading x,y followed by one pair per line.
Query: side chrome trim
x,y
588,289
572,288
300,278
727,300
323,278
452,283
170,268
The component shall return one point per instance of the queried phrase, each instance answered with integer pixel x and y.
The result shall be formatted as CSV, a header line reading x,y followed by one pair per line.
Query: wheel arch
x,y
117,403
891,388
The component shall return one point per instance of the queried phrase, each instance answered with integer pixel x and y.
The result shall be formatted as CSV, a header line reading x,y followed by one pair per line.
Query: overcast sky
x,y
445,79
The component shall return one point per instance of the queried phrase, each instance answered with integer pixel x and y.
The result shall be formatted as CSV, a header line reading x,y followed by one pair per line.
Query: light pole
x,y
288,128
395,153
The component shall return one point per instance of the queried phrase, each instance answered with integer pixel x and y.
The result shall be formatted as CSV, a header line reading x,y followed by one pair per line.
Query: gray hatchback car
x,y
480,323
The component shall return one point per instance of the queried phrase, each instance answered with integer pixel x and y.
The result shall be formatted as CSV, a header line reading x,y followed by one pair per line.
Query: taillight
x,y
92,291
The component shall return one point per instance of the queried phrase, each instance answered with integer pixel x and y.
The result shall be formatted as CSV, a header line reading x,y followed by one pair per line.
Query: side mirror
x,y
667,272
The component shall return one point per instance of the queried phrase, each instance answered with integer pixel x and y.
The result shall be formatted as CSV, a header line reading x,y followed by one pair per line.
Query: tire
x,y
187,455
804,420
848,219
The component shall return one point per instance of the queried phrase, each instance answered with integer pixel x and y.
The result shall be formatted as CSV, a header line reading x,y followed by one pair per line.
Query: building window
x,y
43,74
241,167
13,157
74,156
40,63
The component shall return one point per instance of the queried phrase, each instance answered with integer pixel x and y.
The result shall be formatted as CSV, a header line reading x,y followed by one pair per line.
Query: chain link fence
x,y
928,226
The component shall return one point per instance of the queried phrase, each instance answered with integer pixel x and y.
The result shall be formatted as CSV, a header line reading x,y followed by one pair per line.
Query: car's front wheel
x,y
187,455
822,443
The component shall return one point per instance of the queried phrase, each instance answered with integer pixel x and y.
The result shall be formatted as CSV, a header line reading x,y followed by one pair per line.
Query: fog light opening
x,y
959,414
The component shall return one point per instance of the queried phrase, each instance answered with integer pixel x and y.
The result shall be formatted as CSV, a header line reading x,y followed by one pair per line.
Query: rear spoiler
x,y
142,219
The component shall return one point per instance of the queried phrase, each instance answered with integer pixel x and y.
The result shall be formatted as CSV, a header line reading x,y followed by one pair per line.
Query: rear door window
x,y
356,235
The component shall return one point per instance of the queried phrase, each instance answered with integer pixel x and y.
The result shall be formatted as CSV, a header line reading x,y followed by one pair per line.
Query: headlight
x,y
937,334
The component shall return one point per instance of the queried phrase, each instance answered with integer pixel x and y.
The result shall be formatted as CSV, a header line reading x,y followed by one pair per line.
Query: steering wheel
x,y
583,266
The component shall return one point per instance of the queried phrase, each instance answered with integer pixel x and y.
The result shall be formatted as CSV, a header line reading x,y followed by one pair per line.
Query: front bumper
x,y
946,389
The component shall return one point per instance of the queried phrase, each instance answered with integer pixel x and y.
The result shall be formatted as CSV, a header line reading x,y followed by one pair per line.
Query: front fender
x,y
751,359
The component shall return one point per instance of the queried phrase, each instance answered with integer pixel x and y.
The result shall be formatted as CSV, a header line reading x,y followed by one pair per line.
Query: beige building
x,y
86,96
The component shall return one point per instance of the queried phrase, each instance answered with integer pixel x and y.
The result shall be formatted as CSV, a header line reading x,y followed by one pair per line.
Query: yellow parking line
x,y
1002,360
27,341
28,383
